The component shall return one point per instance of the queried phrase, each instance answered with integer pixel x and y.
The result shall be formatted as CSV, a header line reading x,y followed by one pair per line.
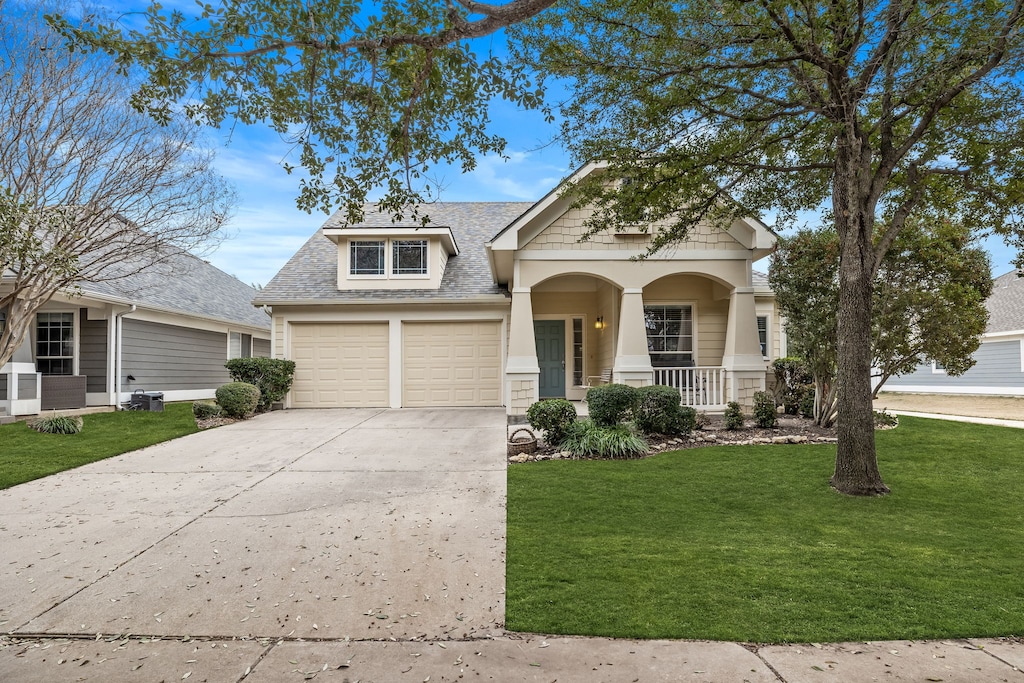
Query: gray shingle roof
x,y
1006,305
312,273
186,284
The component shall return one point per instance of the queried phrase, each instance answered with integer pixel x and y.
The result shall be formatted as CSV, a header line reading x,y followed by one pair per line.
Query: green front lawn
x,y
26,455
749,543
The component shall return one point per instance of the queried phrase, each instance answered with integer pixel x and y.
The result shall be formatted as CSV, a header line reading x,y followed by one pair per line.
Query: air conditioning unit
x,y
152,401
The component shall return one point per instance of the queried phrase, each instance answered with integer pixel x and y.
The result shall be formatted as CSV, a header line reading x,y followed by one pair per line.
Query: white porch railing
x,y
699,387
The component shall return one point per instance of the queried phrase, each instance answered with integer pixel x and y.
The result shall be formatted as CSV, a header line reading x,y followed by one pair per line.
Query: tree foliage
x,y
372,94
90,190
928,303
881,110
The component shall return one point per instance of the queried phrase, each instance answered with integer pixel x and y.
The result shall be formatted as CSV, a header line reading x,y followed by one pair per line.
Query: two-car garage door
x,y
443,364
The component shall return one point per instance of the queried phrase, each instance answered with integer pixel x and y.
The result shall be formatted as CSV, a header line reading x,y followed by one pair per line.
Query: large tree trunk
x,y
856,470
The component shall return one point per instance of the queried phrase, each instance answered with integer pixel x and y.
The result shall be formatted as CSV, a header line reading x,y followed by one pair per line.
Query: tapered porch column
x,y
522,372
632,361
744,365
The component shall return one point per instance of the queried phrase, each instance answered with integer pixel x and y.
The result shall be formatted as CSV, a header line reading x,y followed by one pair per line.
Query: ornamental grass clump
x,y
586,439
57,424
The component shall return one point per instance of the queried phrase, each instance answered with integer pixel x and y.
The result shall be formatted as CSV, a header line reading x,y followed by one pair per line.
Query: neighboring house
x,y
169,328
1000,358
501,304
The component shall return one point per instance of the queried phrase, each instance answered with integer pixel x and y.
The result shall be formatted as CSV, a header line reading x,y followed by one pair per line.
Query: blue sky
x,y
267,228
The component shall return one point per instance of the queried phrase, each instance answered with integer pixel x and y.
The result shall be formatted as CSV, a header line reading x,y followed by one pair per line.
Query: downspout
x,y
118,328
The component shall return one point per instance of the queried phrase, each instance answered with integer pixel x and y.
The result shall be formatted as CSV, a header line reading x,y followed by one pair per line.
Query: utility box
x,y
151,401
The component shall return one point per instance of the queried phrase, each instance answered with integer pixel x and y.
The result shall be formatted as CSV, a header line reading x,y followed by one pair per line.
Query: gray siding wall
x,y
92,347
171,358
998,365
261,348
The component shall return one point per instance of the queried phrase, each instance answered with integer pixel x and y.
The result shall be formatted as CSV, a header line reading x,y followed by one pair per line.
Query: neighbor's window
x,y
669,335
55,343
239,345
366,258
938,368
762,334
409,257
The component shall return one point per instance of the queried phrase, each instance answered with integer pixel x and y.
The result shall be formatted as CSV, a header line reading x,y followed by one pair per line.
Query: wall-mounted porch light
x,y
599,323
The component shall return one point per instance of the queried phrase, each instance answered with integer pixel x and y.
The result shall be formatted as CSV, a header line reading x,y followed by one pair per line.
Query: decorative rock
x,y
661,446
798,439
762,439
522,457
711,437
780,439
542,457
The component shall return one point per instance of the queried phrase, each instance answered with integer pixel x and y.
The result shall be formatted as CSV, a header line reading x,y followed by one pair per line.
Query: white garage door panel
x,y
451,364
340,365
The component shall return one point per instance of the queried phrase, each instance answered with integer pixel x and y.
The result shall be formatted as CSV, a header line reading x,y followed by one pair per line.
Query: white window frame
x,y
937,369
393,265
241,337
75,337
352,245
693,317
766,353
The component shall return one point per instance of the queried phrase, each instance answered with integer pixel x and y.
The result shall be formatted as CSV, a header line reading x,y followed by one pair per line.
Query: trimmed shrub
x,y
765,413
792,380
57,424
272,376
204,409
884,420
554,415
701,420
238,399
807,403
733,416
611,404
587,439
687,420
656,409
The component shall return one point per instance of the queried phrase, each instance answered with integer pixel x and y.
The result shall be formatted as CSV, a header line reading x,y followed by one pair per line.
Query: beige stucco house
x,y
501,304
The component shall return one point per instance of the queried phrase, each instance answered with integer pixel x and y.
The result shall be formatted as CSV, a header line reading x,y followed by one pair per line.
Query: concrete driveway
x,y
313,524
342,545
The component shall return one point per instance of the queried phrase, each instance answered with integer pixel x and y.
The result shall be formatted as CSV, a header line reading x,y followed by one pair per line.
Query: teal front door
x,y
550,336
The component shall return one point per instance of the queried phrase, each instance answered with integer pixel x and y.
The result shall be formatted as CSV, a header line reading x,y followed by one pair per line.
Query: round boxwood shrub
x,y
611,404
657,409
765,413
733,415
554,415
205,409
238,399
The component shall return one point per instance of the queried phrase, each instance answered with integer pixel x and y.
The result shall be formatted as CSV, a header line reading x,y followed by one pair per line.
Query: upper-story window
x,y
409,257
366,257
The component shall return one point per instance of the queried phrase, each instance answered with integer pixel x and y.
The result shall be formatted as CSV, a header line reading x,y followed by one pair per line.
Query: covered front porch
x,y
690,331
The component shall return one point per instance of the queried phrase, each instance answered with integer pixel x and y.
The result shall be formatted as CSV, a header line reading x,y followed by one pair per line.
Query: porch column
x,y
522,372
744,365
632,361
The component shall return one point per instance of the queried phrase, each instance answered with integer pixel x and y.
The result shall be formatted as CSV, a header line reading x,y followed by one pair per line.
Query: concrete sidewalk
x,y
337,545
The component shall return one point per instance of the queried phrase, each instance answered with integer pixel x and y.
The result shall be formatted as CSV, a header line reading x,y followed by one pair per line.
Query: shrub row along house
x,y
502,304
168,328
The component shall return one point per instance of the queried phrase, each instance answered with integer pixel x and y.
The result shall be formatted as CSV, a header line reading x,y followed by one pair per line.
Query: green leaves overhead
x,y
371,94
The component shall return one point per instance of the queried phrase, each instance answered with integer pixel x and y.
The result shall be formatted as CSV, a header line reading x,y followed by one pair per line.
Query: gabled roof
x,y
1006,304
311,275
184,284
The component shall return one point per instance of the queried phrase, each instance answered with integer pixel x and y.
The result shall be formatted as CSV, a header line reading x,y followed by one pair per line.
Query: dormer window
x,y
409,257
367,257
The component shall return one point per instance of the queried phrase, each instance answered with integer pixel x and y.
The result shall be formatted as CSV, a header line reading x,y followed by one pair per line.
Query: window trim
x,y
383,261
937,368
766,352
241,338
75,337
393,266
693,332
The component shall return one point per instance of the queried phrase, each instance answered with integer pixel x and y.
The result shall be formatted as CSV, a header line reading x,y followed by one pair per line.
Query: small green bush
x,y
238,399
205,409
765,413
687,420
272,376
57,424
657,409
611,404
554,415
884,420
792,380
733,416
701,419
807,403
587,439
